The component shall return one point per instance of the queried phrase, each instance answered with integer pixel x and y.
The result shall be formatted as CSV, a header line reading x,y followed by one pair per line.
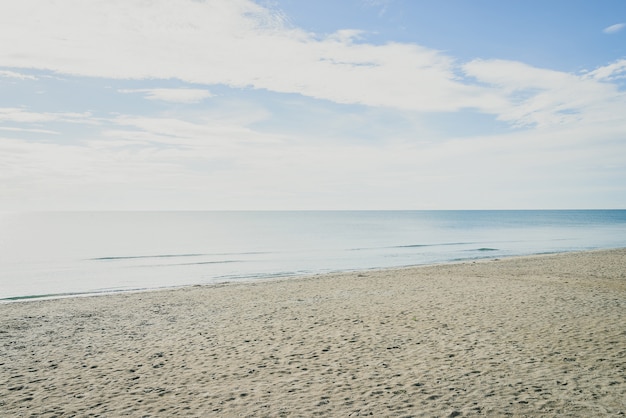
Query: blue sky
x,y
560,34
294,104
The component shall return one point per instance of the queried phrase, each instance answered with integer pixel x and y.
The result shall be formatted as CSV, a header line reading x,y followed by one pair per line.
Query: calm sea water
x,y
89,252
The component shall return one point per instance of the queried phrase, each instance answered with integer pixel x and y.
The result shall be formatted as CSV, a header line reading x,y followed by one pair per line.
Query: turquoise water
x,y
88,252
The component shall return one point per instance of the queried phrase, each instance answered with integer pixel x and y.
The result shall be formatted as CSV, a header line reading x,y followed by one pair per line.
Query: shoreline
x,y
273,277
537,335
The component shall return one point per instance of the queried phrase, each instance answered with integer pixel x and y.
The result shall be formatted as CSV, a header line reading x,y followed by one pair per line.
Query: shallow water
x,y
52,253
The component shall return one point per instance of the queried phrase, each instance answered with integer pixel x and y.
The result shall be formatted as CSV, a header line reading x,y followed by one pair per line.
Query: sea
x,y
67,254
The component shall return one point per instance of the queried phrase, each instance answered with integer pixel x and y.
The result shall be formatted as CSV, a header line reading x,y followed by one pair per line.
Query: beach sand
x,y
528,336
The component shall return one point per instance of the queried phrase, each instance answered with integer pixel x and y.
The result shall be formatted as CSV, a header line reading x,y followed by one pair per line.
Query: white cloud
x,y
614,28
19,115
12,114
13,74
542,97
234,42
37,131
610,72
241,44
176,130
229,154
173,95
208,165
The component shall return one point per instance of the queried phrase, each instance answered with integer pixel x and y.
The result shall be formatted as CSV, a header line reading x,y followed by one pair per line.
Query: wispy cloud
x,y
172,95
542,97
29,130
383,5
610,72
222,165
13,114
13,74
614,28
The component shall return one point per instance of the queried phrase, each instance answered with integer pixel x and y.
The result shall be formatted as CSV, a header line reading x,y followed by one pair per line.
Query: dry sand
x,y
530,336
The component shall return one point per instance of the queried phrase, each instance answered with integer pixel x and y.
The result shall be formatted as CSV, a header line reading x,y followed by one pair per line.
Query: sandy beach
x,y
527,336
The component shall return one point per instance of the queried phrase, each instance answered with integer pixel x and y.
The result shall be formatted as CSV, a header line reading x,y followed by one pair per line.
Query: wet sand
x,y
528,336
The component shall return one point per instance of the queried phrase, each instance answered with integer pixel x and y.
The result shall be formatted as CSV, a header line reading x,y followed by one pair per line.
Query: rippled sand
x,y
531,336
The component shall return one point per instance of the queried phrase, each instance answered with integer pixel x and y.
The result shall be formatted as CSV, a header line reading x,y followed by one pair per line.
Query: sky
x,y
312,105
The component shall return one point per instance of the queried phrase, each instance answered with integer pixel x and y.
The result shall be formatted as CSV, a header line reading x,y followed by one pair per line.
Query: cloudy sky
x,y
298,104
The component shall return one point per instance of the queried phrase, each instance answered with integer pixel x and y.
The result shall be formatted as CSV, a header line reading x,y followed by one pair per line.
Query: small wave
x,y
414,246
206,262
133,257
26,298
432,245
485,249
136,257
262,276
95,292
